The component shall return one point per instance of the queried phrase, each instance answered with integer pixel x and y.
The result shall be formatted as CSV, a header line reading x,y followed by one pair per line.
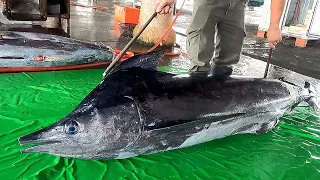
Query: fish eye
x,y
71,127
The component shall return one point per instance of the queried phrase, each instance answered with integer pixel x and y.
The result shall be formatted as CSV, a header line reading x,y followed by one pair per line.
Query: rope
x,y
163,36
86,6
132,53
168,29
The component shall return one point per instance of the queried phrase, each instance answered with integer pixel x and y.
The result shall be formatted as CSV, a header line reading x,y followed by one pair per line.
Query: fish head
x,y
106,124
98,132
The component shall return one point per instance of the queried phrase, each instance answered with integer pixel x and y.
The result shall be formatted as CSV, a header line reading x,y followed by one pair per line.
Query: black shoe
x,y
221,72
217,72
199,73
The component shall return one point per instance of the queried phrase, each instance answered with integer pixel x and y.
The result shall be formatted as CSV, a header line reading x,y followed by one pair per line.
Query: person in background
x,y
221,21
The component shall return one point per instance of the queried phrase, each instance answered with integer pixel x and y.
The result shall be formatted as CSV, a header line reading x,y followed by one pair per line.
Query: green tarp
x,y
31,101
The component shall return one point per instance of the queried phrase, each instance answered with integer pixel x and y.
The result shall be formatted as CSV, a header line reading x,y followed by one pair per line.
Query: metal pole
x,y
126,48
268,63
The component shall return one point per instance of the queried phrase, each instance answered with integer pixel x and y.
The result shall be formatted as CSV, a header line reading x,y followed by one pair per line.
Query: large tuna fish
x,y
28,51
139,110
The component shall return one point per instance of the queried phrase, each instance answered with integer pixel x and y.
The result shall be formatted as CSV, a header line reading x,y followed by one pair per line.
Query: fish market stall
x,y
300,19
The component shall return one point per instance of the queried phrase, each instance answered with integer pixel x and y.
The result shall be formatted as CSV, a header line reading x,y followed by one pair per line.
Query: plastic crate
x,y
124,14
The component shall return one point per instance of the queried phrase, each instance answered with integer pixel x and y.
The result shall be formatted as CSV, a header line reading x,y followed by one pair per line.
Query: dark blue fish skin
x,y
138,110
20,49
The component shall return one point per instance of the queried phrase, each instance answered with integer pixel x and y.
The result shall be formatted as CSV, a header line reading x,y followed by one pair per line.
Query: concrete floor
x,y
302,60
97,26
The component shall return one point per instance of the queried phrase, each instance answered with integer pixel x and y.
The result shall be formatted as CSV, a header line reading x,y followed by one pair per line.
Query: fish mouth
x,y
51,147
37,145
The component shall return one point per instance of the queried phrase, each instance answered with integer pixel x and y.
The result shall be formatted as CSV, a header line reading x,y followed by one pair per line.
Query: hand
x,y
274,36
164,6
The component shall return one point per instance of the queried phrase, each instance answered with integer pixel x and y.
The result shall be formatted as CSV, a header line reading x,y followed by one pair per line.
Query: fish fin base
x,y
283,80
266,127
256,128
146,61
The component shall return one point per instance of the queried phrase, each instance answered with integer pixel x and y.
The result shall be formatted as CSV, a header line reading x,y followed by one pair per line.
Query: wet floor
x,y
295,64
291,151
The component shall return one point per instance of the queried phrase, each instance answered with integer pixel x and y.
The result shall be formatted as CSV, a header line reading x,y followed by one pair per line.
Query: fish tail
x,y
314,99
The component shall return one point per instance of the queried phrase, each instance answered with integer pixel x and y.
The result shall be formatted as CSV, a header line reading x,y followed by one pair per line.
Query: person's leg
x,y
231,34
201,33
220,72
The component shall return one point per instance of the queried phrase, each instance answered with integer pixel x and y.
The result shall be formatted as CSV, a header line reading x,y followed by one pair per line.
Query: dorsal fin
x,y
147,61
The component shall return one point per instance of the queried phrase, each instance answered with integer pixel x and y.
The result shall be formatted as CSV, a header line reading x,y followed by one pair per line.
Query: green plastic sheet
x,y
31,101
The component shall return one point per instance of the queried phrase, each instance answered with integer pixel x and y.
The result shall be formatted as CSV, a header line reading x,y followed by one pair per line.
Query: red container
x,y
125,14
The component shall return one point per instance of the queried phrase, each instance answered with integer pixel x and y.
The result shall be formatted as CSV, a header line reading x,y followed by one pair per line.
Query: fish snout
x,y
35,138
27,139
47,134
